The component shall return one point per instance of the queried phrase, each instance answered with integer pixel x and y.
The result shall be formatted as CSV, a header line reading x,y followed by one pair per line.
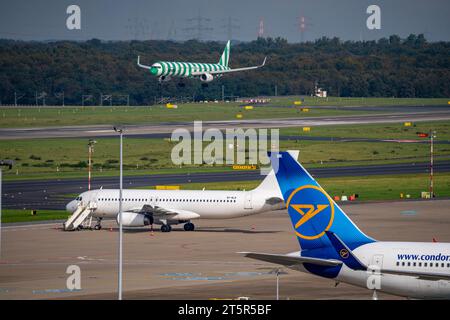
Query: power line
x,y
172,33
199,28
229,25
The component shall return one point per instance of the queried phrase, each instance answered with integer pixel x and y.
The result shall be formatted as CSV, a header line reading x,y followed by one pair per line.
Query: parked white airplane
x,y
333,247
169,207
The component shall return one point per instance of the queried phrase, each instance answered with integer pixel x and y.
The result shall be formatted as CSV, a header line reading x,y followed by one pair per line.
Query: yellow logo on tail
x,y
322,213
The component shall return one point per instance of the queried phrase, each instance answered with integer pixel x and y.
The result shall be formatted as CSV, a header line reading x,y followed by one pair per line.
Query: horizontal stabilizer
x,y
345,254
288,260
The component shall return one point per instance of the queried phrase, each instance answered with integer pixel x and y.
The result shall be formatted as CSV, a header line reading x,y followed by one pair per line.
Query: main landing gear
x,y
166,228
189,226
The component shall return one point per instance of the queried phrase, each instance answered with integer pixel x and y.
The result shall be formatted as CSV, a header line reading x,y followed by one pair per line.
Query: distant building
x,y
320,93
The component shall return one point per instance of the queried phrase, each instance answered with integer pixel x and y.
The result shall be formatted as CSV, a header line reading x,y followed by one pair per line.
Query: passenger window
x,y
414,264
409,264
403,264
398,263
420,264
425,264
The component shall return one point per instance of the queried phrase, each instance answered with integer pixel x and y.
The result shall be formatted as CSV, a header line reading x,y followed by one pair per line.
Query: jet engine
x,y
132,219
206,77
164,79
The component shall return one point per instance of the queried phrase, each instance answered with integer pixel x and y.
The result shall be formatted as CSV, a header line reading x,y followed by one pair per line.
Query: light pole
x,y
278,272
90,151
120,131
8,163
432,136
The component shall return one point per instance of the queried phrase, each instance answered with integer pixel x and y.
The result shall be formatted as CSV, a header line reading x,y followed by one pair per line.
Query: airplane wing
x,y
289,261
159,212
230,70
420,275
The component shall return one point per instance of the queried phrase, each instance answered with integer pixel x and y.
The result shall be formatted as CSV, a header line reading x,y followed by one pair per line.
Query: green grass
x,y
67,158
368,187
10,215
94,115
66,116
338,101
376,131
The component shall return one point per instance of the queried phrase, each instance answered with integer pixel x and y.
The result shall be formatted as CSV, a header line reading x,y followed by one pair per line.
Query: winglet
x,y
141,65
345,254
264,62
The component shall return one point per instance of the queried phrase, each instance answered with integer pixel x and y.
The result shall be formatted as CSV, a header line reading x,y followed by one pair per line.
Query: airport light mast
x,y
90,152
120,131
9,164
278,272
432,136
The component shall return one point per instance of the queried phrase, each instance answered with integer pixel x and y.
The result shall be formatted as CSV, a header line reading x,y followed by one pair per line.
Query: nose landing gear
x,y
98,226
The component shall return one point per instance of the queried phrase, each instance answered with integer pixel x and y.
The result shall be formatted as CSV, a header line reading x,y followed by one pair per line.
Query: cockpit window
x,y
79,198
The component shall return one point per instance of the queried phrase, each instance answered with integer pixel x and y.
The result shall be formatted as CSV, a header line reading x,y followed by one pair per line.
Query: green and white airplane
x,y
203,71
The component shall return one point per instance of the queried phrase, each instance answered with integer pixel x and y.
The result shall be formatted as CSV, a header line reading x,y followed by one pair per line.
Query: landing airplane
x,y
204,71
333,247
170,207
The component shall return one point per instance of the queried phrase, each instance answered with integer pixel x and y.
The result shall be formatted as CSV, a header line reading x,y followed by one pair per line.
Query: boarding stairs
x,y
81,214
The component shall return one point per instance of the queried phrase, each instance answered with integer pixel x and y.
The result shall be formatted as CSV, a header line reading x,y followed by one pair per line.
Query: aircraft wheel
x,y
80,227
97,227
165,228
189,227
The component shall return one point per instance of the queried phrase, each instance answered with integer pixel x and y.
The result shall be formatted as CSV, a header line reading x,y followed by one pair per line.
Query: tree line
x,y
388,67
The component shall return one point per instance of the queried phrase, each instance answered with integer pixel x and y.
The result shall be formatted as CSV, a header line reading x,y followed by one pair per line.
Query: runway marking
x,y
27,227
99,131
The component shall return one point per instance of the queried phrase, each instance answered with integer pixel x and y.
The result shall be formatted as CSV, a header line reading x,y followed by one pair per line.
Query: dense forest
x,y
410,67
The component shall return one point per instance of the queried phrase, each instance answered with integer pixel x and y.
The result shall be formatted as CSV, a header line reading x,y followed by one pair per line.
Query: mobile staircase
x,y
80,215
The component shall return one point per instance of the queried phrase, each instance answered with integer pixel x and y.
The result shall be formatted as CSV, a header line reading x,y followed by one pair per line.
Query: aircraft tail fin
x,y
312,211
225,58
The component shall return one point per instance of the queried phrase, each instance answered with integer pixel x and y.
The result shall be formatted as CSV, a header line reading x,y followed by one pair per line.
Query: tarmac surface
x,y
53,194
196,265
96,131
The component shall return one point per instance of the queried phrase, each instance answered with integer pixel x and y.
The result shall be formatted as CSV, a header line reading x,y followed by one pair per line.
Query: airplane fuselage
x,y
207,204
184,69
415,257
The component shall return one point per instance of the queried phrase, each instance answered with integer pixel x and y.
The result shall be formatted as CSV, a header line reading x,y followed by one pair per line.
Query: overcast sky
x,y
163,19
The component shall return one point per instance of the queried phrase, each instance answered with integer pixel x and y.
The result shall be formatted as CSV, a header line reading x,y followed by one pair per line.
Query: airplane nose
x,y
154,70
70,207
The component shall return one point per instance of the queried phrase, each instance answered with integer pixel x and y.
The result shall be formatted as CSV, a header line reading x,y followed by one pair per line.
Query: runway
x,y
52,194
96,131
196,265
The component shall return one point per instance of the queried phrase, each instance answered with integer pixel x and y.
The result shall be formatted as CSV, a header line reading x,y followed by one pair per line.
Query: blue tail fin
x,y
311,209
